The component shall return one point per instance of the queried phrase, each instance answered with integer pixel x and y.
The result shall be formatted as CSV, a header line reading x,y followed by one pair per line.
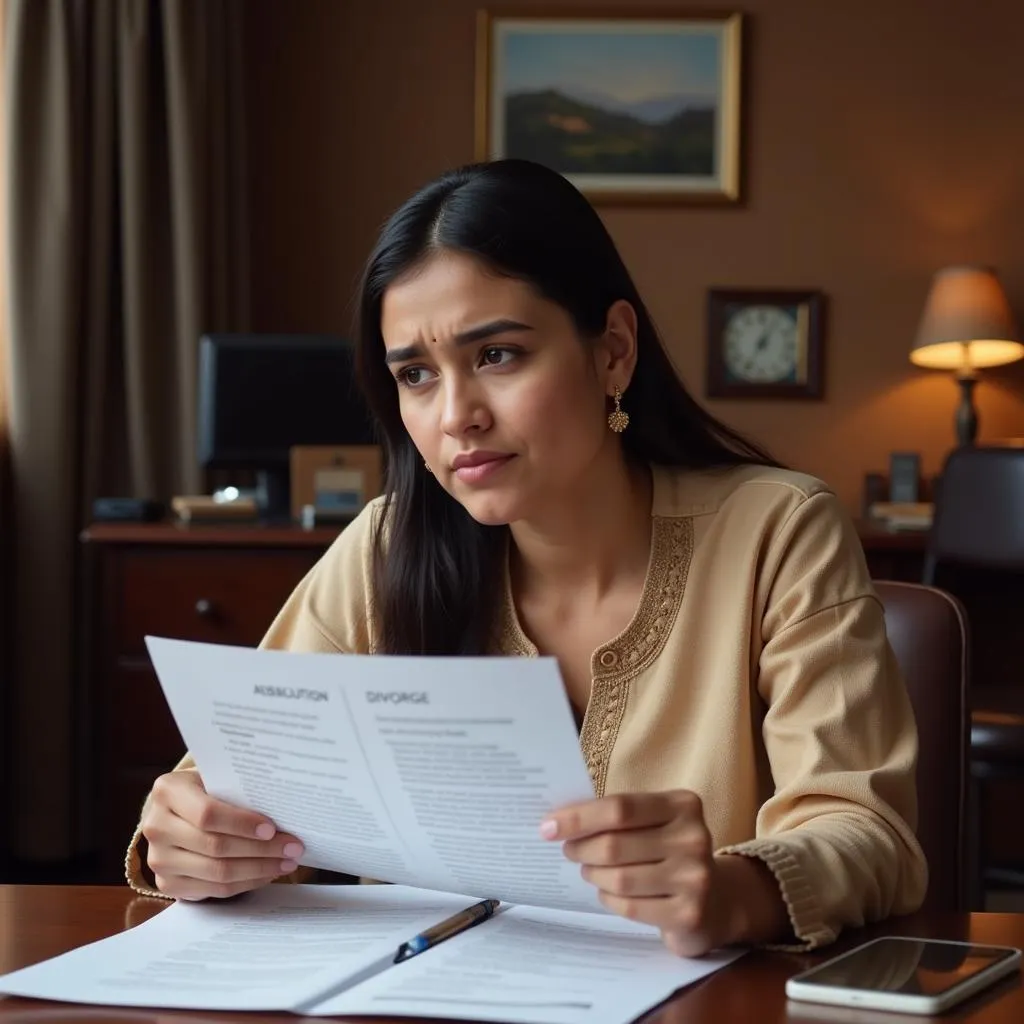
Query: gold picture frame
x,y
631,107
334,478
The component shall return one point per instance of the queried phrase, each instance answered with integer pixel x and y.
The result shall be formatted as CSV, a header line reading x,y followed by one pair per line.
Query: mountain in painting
x,y
652,109
577,137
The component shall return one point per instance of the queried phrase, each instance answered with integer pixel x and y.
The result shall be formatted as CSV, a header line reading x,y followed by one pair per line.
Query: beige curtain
x,y
126,241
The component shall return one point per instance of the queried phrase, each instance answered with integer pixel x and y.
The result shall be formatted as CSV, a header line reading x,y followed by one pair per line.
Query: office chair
x,y
929,636
976,550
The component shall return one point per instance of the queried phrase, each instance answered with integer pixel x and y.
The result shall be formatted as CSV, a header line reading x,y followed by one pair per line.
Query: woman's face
x,y
504,402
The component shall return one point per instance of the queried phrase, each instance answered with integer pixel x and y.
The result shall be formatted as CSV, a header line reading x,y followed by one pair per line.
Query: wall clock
x,y
765,343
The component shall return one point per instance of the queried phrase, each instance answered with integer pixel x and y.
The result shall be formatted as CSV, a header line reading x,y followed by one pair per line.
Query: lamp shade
x,y
967,323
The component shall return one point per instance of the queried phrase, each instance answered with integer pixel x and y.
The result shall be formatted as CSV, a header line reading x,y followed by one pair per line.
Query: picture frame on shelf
x,y
631,107
765,343
336,481
904,477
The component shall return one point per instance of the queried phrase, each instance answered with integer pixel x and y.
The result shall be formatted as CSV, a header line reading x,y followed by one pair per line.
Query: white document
x,y
277,948
430,772
533,966
329,950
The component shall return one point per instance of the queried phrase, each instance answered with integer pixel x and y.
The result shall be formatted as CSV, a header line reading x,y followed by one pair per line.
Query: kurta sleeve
x,y
840,735
330,611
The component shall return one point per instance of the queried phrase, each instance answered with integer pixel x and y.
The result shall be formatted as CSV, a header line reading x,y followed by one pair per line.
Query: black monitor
x,y
260,394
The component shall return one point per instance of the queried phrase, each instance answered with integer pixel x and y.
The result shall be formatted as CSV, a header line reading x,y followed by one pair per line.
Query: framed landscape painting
x,y
629,107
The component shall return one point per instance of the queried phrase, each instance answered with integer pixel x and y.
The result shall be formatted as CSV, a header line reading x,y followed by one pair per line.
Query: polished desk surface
x,y
38,921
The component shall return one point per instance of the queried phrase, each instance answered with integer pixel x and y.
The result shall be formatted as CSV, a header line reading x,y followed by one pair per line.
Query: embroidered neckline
x,y
511,638
615,663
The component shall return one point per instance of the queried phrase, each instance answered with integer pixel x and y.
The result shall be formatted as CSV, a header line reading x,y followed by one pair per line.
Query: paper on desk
x,y
430,772
329,950
533,966
275,949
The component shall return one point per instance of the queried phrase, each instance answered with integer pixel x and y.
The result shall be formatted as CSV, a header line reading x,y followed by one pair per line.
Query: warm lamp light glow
x,y
967,323
950,355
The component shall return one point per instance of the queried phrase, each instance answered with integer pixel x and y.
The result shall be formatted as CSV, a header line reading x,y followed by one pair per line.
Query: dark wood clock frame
x,y
720,385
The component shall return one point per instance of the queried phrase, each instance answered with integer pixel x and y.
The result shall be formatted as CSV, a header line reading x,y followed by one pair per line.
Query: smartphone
x,y
905,975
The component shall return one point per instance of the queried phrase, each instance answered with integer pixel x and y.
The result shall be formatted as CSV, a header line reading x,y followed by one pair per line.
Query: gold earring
x,y
427,464
617,419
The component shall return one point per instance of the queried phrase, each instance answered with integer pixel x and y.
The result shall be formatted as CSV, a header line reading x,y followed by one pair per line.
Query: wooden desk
x,y
893,555
37,922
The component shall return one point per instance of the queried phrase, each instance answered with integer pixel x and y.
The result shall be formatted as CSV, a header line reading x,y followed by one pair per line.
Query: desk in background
x,y
222,584
38,922
893,555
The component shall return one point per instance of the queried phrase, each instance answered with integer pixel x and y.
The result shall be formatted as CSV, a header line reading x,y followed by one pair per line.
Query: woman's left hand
x,y
650,856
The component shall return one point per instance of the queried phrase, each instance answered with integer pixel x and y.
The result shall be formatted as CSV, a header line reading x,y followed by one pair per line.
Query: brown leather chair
x,y
928,633
976,551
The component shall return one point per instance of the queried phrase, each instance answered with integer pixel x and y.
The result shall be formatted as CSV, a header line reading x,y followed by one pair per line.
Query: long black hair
x,y
438,574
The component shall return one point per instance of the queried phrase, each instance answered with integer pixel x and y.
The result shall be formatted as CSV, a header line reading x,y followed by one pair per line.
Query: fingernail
x,y
265,831
288,866
292,850
549,828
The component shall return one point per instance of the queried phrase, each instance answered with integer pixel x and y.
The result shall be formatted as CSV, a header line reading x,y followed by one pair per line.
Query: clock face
x,y
762,345
765,343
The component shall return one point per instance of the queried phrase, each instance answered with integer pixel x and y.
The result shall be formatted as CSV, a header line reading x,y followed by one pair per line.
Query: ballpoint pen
x,y
446,929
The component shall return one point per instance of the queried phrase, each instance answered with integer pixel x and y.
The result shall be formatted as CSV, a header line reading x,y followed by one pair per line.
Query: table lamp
x,y
966,325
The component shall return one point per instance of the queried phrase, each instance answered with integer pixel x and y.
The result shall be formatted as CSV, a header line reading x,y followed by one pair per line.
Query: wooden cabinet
x,y
219,584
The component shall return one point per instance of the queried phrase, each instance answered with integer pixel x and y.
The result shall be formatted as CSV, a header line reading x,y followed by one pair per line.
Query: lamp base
x,y
966,414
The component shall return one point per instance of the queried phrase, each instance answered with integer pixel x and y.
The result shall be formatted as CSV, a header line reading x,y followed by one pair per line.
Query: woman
x,y
552,488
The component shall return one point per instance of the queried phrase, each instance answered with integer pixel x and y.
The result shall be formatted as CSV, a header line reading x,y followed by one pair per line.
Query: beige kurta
x,y
756,672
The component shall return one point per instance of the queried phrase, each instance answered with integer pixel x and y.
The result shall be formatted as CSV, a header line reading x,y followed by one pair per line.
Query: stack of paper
x,y
433,773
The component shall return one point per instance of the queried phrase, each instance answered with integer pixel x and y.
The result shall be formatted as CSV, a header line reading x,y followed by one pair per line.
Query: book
x,y
202,508
897,516
432,774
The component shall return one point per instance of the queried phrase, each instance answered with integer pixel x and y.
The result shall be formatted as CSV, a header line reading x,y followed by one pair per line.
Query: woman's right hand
x,y
201,847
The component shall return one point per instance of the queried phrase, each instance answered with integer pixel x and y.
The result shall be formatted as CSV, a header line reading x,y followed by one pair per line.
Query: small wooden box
x,y
315,470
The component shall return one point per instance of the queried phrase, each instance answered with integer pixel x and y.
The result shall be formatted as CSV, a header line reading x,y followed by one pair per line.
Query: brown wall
x,y
882,142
